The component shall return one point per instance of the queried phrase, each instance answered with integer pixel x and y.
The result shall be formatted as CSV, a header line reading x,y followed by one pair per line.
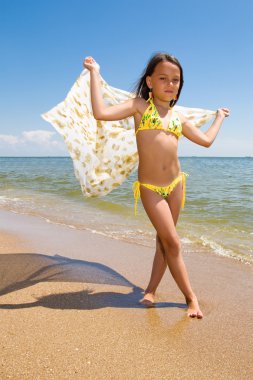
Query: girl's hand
x,y
91,64
223,112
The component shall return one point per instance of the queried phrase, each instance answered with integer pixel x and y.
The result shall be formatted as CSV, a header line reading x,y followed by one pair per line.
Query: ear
x,y
149,82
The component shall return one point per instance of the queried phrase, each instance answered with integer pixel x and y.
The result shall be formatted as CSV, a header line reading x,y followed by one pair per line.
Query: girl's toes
x,y
146,302
192,314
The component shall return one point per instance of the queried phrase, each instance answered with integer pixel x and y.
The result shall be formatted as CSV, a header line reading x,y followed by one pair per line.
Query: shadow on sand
x,y
19,271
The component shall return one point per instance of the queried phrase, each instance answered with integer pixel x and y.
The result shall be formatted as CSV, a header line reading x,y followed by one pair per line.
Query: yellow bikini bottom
x,y
164,191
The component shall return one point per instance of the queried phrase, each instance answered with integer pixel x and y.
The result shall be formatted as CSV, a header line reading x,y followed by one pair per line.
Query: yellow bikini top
x,y
152,120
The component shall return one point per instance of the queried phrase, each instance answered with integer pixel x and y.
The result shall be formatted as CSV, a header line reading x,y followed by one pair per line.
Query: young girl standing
x,y
161,184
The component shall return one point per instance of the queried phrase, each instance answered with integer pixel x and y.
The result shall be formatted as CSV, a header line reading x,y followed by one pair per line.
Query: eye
x,y
175,81
162,78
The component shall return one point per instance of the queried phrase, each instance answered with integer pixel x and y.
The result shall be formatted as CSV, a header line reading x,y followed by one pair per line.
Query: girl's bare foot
x,y
148,300
193,308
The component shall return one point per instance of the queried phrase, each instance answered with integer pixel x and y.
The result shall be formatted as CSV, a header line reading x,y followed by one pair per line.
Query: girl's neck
x,y
161,104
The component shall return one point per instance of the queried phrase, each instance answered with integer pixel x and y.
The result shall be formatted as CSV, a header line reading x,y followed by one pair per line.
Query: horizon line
x,y
193,156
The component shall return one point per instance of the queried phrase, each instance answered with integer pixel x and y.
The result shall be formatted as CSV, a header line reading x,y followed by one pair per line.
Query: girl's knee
x,y
172,245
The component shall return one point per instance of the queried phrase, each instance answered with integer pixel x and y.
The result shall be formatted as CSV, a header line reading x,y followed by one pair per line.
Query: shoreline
x,y
69,304
188,244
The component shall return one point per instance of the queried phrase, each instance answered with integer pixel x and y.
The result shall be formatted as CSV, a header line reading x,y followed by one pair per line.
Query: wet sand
x,y
69,309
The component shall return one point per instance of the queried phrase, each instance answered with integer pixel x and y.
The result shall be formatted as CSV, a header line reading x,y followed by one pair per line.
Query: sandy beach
x,y
69,309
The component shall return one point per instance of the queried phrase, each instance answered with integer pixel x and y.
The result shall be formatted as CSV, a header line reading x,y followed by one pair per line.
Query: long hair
x,y
142,89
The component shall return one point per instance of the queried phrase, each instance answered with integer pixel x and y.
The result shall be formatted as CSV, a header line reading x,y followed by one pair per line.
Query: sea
x,y
218,213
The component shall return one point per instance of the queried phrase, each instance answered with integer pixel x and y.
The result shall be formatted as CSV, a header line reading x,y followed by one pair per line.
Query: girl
x,y
161,184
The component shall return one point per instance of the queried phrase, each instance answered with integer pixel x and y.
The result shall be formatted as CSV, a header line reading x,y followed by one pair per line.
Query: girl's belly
x,y
158,158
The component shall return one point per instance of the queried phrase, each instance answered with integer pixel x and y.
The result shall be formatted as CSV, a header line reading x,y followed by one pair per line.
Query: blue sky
x,y
43,43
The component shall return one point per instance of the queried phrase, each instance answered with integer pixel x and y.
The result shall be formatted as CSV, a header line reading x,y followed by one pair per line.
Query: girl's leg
x,y
160,215
160,263
158,269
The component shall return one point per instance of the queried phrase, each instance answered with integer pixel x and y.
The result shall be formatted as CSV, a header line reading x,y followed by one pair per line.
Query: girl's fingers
x,y
88,60
90,64
224,111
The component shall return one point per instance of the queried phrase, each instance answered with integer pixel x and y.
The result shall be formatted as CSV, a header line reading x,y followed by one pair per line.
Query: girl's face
x,y
164,81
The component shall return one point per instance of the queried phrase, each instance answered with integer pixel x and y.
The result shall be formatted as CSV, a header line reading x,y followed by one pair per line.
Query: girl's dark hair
x,y
142,89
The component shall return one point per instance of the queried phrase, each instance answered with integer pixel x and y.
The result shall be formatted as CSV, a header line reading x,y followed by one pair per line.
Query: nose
x,y
169,82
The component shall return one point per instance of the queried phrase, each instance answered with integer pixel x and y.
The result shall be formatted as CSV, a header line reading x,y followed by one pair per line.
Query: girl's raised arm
x,y
204,138
100,111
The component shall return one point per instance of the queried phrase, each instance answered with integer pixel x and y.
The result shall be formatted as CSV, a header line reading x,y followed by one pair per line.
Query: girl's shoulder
x,y
141,105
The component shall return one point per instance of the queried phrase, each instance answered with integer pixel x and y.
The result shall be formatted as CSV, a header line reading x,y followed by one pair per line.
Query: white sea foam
x,y
221,251
60,224
5,199
185,240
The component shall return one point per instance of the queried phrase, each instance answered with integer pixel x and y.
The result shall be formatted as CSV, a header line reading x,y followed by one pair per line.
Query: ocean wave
x,y
222,251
